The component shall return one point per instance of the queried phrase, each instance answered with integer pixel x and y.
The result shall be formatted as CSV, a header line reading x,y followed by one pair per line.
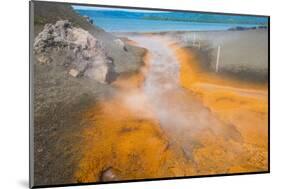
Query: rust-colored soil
x,y
128,140
241,104
228,132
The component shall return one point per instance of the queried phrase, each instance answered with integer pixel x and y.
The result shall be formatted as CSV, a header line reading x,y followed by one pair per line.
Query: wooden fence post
x,y
193,39
218,58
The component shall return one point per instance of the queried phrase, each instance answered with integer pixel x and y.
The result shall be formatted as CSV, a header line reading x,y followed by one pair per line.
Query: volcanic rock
x,y
76,49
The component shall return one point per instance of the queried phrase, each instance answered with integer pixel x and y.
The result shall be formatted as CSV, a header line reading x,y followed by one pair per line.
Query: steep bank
x,y
62,95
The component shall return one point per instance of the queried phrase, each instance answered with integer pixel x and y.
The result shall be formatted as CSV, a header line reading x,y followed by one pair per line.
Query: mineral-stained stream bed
x,y
162,124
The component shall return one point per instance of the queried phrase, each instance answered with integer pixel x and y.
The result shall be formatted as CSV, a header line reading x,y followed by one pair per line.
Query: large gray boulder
x,y
74,48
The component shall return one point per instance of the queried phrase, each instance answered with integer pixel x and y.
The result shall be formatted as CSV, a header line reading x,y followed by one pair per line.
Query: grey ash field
x,y
118,106
59,98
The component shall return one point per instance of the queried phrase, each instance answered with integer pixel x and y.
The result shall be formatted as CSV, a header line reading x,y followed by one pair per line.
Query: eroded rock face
x,y
74,48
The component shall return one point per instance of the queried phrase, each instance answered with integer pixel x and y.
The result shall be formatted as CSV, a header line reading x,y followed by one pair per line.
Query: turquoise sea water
x,y
125,20
142,25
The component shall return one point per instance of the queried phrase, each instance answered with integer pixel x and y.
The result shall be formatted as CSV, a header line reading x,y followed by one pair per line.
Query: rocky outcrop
x,y
74,48
121,44
89,19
